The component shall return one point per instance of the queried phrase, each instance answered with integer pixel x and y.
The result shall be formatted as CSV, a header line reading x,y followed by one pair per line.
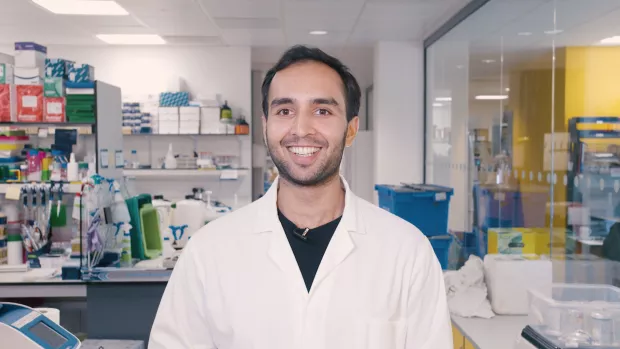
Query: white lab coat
x,y
237,285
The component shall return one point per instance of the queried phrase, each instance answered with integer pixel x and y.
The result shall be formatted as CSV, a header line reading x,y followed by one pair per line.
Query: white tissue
x,y
467,292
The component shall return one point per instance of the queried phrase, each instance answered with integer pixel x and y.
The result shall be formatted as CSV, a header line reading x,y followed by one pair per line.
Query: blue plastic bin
x,y
425,206
498,207
441,246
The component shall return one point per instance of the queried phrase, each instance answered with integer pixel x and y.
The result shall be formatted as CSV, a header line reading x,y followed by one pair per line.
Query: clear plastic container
x,y
34,166
577,315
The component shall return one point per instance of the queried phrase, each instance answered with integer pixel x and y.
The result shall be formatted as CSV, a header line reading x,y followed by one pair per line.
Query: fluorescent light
x,y
83,7
507,89
131,39
491,97
488,61
553,32
443,99
614,40
524,33
437,105
318,32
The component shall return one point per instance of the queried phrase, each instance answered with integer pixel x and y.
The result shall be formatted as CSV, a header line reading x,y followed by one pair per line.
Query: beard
x,y
326,169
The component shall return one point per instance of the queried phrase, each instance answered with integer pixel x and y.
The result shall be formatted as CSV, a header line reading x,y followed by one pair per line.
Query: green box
x,y
54,87
6,74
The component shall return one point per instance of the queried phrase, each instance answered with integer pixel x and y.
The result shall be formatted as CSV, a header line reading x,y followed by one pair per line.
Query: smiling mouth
x,y
303,151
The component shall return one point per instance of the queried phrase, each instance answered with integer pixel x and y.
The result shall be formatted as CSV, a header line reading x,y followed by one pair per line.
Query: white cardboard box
x,y
29,76
30,55
508,278
168,127
189,127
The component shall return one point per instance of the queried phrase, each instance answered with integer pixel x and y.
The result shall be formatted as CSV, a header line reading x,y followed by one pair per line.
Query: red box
x,y
7,103
29,103
54,110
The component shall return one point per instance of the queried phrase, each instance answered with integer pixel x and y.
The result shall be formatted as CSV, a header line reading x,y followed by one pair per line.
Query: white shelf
x,y
156,173
67,188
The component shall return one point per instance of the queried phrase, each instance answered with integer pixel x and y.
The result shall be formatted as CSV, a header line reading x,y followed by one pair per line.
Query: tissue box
x,y
508,278
189,114
29,103
54,87
54,110
189,127
518,241
57,68
8,103
30,54
174,99
210,120
168,114
6,73
29,76
81,72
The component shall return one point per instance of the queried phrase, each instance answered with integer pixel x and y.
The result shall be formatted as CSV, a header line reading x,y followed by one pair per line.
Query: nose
x,y
303,125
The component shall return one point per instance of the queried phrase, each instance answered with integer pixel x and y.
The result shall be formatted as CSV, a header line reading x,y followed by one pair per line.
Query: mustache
x,y
308,141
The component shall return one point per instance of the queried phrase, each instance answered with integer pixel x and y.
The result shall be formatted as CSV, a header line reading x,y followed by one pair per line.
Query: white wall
x,y
398,120
204,71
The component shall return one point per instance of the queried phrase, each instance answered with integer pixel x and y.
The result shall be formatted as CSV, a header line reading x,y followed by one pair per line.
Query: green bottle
x,y
226,114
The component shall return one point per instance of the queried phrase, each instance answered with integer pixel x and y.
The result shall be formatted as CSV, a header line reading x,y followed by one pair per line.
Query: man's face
x,y
306,129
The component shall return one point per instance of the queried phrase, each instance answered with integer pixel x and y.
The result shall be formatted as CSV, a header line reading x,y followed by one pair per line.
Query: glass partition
x,y
523,121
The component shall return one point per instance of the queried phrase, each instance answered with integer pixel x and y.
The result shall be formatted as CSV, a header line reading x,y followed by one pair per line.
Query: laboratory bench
x,y
499,332
122,308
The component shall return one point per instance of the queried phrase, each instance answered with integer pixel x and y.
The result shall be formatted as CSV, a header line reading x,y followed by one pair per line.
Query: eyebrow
x,y
285,100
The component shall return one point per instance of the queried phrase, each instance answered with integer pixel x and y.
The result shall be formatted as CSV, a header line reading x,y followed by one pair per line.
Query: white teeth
x,y
304,151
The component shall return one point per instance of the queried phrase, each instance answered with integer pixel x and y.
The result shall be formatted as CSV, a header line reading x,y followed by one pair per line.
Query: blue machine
x,y
25,328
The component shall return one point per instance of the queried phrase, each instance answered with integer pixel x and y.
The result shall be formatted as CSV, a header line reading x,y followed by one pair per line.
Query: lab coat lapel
x,y
341,244
279,249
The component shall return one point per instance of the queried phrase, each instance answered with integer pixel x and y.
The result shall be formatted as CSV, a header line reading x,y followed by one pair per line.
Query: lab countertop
x,y
498,332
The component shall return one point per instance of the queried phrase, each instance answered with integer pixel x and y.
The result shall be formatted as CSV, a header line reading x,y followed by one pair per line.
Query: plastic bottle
x,y
171,162
34,166
72,169
226,114
56,174
133,160
126,260
15,249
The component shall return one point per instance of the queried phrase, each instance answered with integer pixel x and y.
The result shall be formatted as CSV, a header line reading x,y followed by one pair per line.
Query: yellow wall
x,y
592,81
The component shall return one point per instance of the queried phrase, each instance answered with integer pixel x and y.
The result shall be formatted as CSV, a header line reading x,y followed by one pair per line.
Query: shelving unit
x,y
67,187
157,173
184,135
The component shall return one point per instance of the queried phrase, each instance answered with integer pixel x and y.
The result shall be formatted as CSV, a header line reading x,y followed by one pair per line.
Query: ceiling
x,y
256,23
497,31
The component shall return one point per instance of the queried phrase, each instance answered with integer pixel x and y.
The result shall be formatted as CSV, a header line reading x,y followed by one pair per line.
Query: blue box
x,y
498,207
81,72
57,68
174,99
425,206
441,246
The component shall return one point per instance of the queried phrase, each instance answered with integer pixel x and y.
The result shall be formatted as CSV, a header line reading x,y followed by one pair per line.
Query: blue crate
x,y
426,206
441,246
494,206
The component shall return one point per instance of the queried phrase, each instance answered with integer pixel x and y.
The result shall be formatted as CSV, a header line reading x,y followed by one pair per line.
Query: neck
x,y
311,207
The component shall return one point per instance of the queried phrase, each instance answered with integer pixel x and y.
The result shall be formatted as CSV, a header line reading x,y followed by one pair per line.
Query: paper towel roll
x,y
51,313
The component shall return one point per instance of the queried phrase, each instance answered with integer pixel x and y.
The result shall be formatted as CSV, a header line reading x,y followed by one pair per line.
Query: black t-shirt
x,y
309,252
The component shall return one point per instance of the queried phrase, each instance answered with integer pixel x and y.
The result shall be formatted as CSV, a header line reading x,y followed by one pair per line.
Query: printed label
x,y
441,197
499,196
54,108
29,101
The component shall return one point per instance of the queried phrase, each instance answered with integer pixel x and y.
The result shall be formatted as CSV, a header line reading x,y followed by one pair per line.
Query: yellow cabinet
x,y
459,340
468,344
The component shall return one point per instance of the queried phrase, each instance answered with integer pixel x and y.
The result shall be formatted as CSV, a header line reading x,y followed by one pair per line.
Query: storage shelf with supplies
x,y
159,173
66,187
184,134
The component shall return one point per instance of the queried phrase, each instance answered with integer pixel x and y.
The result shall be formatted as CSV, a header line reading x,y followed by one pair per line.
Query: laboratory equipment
x,y
25,328
573,316
72,169
171,162
190,212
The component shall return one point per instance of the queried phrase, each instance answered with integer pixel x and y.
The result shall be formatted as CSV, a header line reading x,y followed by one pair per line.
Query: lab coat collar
x,y
267,211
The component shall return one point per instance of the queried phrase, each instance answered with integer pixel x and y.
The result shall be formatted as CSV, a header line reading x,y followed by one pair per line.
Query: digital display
x,y
48,335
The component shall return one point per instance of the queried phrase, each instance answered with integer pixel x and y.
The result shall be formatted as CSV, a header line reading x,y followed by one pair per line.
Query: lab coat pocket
x,y
381,334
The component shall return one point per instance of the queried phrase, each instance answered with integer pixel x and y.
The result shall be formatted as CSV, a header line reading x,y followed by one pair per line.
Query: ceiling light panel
x,y
131,39
491,97
242,8
158,7
79,7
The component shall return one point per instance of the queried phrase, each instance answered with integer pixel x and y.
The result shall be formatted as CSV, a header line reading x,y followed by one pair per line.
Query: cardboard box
x,y
29,103
210,120
54,87
29,55
6,73
168,114
29,76
189,127
57,68
168,127
518,241
8,103
174,99
81,72
54,110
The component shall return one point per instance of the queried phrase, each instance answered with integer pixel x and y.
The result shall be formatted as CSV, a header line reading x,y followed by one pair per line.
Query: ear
x,y
352,128
264,129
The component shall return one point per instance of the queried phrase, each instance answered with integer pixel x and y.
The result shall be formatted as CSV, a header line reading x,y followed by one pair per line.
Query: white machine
x,y
25,328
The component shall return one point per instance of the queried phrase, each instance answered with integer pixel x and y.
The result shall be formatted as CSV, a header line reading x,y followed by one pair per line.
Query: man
x,y
309,265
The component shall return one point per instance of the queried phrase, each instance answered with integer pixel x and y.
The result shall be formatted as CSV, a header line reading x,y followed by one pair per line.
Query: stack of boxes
x,y
189,120
131,118
29,72
56,75
8,94
168,120
81,102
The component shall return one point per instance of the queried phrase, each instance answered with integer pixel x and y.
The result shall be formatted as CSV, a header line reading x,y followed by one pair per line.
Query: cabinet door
x,y
459,340
468,344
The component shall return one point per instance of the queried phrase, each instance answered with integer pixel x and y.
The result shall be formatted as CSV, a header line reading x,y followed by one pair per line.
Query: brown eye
x,y
323,112
284,112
